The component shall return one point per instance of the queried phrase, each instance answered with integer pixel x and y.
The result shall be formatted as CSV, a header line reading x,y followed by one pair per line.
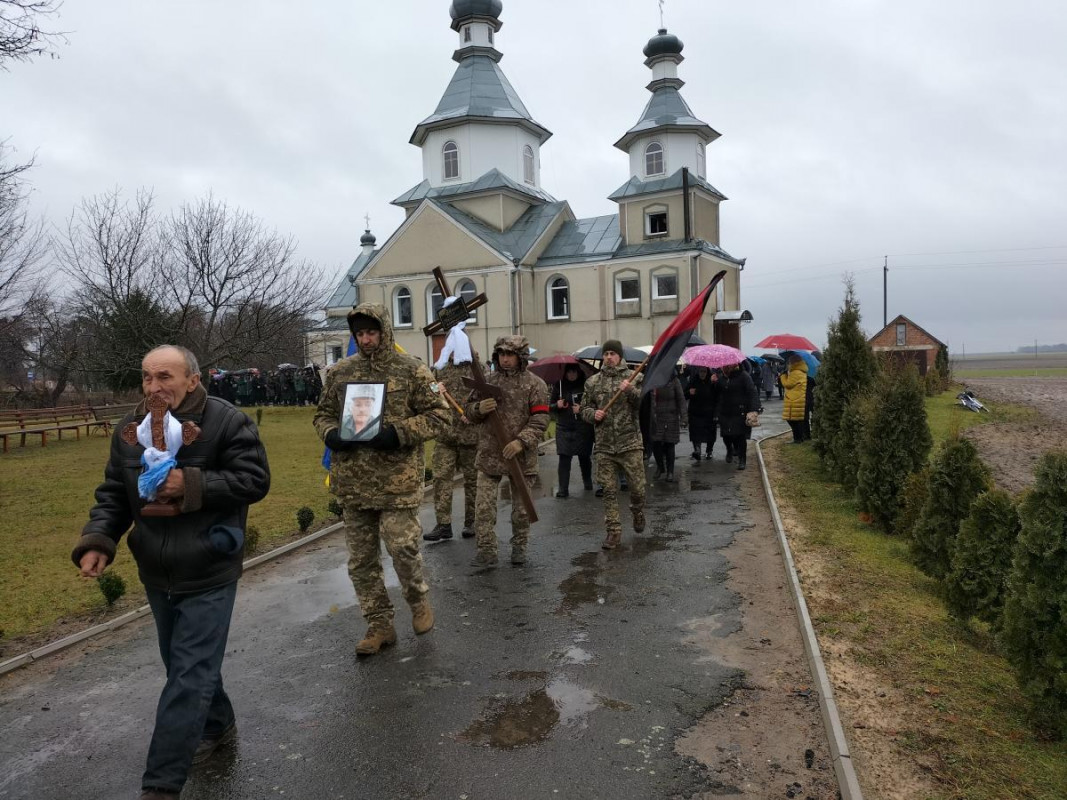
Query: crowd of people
x,y
188,539
281,387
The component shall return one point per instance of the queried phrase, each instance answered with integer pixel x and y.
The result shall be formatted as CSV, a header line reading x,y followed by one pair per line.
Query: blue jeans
x,y
192,631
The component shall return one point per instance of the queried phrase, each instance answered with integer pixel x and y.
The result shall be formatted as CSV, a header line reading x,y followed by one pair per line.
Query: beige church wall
x,y
634,218
511,209
431,240
705,219
497,211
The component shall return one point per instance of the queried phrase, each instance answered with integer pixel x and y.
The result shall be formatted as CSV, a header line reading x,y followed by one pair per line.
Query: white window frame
x,y
529,171
432,290
467,283
650,154
550,289
702,160
625,278
652,211
397,322
449,148
902,334
664,273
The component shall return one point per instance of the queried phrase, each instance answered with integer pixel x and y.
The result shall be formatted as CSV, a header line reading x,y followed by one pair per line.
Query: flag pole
x,y
636,372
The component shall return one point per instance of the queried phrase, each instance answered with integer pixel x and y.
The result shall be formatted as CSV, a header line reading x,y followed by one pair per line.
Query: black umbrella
x,y
630,355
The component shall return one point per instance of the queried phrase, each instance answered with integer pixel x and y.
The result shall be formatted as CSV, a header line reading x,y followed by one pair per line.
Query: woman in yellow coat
x,y
795,383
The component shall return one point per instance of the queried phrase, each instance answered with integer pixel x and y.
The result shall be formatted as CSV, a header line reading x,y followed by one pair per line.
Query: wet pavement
x,y
570,677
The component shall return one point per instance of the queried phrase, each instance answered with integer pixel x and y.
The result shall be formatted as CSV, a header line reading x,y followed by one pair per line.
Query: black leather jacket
x,y
225,471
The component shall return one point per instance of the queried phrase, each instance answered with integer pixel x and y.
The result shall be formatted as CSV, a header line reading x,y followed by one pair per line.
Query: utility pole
x,y
885,291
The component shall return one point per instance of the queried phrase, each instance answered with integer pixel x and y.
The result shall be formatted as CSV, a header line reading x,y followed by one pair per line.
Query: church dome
x,y
461,9
663,44
367,239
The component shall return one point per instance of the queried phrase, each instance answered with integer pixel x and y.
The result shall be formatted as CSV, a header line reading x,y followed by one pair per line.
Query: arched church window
x,y
402,306
559,299
468,291
528,164
451,157
654,159
702,163
434,301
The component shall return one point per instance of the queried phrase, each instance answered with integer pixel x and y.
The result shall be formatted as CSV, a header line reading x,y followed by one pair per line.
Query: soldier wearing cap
x,y
523,409
619,445
379,481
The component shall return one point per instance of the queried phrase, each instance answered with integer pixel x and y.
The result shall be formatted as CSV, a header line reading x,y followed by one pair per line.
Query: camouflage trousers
x,y
400,530
447,459
632,465
485,513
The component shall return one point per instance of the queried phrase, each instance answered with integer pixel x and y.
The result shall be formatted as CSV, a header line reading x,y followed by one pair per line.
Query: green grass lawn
x,y
970,717
1034,372
45,495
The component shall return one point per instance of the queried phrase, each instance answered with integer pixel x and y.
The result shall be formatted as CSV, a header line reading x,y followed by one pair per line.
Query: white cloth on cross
x,y
457,345
172,434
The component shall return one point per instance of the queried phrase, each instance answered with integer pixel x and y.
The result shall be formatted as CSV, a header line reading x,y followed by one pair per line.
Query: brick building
x,y
903,340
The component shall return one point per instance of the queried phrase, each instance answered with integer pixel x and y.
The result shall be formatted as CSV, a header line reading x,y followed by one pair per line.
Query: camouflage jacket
x,y
458,433
523,408
370,478
620,430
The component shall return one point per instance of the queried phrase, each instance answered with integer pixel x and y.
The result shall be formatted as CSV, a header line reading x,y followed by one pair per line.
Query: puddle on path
x,y
508,724
581,587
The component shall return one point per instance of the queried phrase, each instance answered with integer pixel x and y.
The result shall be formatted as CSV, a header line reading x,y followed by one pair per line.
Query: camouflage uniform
x,y
455,450
380,491
523,408
618,440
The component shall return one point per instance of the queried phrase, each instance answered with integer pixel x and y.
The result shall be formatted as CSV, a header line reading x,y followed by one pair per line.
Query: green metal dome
x,y
662,44
461,9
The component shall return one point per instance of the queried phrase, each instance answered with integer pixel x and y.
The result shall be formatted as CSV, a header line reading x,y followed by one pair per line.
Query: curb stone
x,y
848,783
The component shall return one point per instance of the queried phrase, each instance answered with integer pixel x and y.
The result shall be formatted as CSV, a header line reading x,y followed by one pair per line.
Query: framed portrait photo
x,y
361,412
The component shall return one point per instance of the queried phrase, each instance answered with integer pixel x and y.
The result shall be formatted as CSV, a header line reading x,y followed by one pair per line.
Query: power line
x,y
974,252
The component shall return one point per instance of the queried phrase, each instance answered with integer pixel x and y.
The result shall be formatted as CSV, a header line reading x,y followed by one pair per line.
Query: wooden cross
x,y
157,411
447,318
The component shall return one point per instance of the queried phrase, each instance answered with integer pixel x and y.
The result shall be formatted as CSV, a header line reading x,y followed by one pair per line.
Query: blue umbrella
x,y
809,359
757,359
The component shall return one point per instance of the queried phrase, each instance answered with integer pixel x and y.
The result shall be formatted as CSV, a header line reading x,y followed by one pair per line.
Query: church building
x,y
482,214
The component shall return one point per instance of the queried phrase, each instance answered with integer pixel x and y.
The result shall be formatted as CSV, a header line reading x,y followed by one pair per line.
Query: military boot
x,y
468,531
518,556
422,616
441,531
611,541
639,521
484,559
378,635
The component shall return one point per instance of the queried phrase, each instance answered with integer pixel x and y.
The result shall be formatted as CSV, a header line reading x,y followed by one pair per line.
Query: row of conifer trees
x,y
997,558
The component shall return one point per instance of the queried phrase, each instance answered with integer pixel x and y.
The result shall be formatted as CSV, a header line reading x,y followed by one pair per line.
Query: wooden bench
x,y
43,421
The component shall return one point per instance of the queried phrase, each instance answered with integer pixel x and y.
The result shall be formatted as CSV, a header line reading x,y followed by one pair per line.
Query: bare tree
x,y
22,246
236,286
21,37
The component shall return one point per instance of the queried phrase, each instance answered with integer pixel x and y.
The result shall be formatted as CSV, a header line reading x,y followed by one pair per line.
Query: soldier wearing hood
x,y
523,409
379,481
619,445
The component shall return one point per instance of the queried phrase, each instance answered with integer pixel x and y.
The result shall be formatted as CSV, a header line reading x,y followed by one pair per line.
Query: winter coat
x,y
458,432
619,431
769,377
379,479
523,408
668,412
703,406
574,436
795,383
225,470
737,399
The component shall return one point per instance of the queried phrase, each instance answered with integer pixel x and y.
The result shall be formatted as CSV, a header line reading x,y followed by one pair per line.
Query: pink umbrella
x,y
712,356
787,341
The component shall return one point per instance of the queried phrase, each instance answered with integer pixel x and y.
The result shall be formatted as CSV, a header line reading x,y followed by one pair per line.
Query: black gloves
x,y
386,439
336,443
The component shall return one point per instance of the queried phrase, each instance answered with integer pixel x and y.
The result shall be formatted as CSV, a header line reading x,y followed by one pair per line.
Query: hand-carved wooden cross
x,y
157,410
447,318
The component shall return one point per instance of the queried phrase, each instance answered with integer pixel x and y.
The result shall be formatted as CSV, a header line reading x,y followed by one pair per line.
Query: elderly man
x,y
618,446
379,481
189,562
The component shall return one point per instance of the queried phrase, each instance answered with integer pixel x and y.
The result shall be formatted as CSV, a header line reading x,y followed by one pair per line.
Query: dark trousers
x,y
664,455
797,426
563,473
736,445
192,631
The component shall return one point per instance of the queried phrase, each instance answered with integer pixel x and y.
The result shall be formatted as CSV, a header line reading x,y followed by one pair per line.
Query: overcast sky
x,y
931,132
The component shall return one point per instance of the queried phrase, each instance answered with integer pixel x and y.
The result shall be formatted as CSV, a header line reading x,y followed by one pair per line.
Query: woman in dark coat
x,y
573,436
702,395
668,415
738,398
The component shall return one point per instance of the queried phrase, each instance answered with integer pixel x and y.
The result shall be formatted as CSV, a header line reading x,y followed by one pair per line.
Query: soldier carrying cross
x,y
514,405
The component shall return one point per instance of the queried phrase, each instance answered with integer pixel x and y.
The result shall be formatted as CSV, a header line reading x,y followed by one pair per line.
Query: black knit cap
x,y
364,321
612,345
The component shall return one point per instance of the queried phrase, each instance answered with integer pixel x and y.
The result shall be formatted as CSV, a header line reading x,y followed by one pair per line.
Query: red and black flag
x,y
672,342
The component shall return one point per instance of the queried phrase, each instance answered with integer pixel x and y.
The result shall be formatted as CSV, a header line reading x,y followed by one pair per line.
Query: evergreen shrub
x,y
982,557
251,539
896,443
304,517
912,499
335,508
957,477
112,587
1034,621
845,449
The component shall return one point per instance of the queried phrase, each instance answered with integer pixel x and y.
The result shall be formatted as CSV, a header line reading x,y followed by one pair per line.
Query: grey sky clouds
x,y
851,129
